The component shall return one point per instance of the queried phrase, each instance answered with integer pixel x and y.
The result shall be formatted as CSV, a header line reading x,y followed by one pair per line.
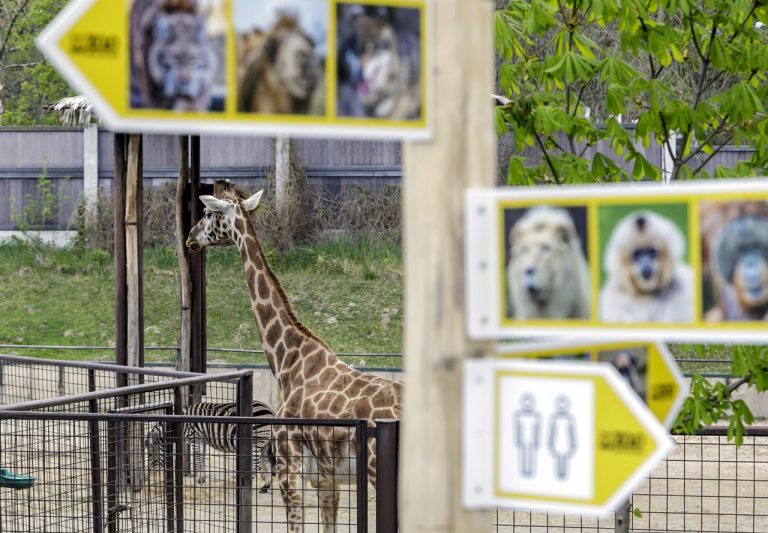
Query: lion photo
x,y
177,55
280,50
647,278
546,263
734,258
379,62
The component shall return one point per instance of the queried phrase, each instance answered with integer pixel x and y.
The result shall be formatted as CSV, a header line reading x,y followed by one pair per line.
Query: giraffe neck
x,y
278,326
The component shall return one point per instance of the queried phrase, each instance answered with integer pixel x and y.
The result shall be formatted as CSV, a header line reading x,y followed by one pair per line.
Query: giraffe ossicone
x,y
314,382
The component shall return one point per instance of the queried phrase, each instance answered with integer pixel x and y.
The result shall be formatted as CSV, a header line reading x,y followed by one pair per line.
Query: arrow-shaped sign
x,y
554,436
300,67
648,367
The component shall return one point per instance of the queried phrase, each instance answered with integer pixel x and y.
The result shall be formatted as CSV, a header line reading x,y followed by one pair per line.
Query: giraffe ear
x,y
214,204
251,203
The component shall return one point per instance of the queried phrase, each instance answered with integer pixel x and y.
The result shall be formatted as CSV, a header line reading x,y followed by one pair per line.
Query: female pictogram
x,y
561,440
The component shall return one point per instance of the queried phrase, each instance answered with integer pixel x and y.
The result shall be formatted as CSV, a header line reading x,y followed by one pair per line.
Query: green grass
x,y
349,292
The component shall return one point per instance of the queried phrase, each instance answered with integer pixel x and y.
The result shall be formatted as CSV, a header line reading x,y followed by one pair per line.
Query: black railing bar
x,y
698,360
174,348
111,367
137,417
256,351
126,391
144,407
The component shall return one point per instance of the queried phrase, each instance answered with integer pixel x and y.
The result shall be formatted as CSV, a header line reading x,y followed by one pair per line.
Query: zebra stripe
x,y
220,436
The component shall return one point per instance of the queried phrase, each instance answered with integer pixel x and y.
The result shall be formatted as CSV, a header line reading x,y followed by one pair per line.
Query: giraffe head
x,y
218,223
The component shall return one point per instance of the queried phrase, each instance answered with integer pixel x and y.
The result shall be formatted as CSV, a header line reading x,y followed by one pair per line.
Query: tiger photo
x,y
281,56
379,62
177,55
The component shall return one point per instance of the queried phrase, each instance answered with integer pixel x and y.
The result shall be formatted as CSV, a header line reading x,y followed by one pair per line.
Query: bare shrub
x,y
158,227
307,216
359,210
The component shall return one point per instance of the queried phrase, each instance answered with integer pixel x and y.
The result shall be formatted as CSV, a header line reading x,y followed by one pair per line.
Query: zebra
x,y
220,436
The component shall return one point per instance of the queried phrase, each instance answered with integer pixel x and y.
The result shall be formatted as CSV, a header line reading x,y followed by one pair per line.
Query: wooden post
x,y
134,264
118,193
435,175
134,252
185,290
198,361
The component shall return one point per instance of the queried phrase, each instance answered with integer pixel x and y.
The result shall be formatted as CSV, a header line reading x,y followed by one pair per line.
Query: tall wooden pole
x,y
198,361
121,295
461,154
134,252
185,287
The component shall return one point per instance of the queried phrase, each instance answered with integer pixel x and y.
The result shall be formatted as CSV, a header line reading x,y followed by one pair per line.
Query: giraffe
x,y
314,382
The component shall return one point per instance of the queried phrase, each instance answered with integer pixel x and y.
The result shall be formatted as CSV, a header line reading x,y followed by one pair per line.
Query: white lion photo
x,y
647,278
547,273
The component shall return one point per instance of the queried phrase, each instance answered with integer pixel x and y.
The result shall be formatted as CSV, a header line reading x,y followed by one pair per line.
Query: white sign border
x,y
477,437
483,291
75,9
579,344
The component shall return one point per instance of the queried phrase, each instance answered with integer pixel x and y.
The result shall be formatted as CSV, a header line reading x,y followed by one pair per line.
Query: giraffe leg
x,y
328,496
288,476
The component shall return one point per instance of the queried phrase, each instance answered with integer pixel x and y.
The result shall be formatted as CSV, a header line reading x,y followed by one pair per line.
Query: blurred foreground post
x,y
461,154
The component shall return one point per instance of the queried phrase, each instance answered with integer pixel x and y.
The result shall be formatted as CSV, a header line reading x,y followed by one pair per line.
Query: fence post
x,y
361,437
113,474
386,475
181,458
244,497
621,517
96,495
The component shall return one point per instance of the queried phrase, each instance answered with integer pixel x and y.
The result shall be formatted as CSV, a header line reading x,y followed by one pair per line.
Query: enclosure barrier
x,y
706,485
92,465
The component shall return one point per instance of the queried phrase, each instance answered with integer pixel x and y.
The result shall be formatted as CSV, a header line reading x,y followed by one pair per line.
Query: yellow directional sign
x,y
303,67
560,436
685,262
647,367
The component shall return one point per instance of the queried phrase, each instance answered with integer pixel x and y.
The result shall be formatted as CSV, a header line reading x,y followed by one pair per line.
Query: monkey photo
x,y
647,278
632,365
379,62
281,52
735,260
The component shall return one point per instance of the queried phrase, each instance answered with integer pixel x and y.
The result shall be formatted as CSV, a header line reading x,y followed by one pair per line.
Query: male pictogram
x,y
527,434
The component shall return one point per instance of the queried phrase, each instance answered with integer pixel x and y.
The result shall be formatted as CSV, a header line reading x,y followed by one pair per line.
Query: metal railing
x,y
706,485
85,459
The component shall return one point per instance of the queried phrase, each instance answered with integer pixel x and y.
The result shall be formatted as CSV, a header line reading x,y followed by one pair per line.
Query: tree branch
x,y
11,23
546,157
714,152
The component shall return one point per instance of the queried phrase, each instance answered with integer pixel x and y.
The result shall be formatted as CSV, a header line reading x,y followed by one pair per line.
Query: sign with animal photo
x,y
688,261
647,367
291,67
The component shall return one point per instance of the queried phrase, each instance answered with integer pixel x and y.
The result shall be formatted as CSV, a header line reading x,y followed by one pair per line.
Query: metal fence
x,y
82,460
706,485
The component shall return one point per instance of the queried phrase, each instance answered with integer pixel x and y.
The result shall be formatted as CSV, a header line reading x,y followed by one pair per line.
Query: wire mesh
x,y
86,474
706,485
114,453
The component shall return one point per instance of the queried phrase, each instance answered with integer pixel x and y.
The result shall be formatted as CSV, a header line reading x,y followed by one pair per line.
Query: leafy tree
x,y
28,83
690,74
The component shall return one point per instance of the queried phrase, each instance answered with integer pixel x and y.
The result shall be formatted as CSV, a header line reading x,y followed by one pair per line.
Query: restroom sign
x,y
555,436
